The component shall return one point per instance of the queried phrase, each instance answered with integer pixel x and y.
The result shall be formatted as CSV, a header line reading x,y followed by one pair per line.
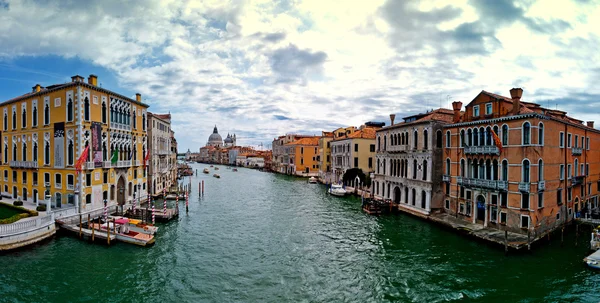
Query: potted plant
x,y
18,203
41,207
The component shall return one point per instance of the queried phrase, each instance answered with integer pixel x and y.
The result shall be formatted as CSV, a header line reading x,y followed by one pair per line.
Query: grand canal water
x,y
260,237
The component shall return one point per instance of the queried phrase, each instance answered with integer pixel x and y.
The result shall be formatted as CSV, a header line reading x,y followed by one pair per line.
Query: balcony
x,y
445,178
397,148
541,185
23,164
105,164
502,185
89,165
485,150
137,163
124,163
524,187
479,183
576,151
577,180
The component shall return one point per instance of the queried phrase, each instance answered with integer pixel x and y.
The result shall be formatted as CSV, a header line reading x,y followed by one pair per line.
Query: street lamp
x,y
48,197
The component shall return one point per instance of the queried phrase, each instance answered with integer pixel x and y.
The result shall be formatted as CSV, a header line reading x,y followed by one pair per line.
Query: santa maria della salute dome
x,y
217,141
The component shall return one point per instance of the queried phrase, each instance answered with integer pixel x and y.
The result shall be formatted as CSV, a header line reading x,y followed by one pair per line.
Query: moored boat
x,y
137,225
217,176
312,180
124,233
337,190
216,168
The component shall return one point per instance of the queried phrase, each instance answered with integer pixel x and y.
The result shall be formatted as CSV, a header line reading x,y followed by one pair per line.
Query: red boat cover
x,y
122,221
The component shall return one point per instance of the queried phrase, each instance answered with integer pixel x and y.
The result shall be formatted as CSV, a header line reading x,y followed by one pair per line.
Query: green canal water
x,y
260,237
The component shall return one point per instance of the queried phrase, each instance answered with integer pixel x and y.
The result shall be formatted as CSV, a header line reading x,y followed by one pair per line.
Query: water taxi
x,y
217,176
216,168
137,225
206,171
235,169
312,180
124,233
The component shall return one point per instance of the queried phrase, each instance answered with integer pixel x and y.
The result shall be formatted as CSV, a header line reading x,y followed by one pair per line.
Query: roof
x,y
365,133
443,115
55,87
306,141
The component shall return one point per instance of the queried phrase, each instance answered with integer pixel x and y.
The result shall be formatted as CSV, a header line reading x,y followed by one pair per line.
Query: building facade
x,y
45,131
409,162
161,157
517,166
302,156
324,157
354,149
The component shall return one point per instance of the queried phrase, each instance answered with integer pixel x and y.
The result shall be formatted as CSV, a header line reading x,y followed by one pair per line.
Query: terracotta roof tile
x,y
306,141
365,133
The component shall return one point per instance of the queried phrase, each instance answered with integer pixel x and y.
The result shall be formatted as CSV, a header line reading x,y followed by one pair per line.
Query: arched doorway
x,y
396,195
35,196
121,191
481,207
58,200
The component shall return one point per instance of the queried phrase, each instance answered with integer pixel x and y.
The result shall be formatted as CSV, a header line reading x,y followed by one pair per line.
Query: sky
x,y
262,68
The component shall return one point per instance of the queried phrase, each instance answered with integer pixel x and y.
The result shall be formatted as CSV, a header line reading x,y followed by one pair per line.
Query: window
x,y
525,200
541,134
461,208
70,153
569,140
504,134
524,221
355,147
526,133
86,109
14,119
569,171
525,176
561,140
70,182
104,114
587,143
476,111
540,170
425,139
14,176
355,161
47,153
372,148
34,177
6,176
488,108
24,118
370,162
34,118
69,110
447,139
502,218
562,173
416,140
569,194
46,113
462,138
576,141
414,172
438,139
540,199
447,204
88,179
88,199
448,167
23,151
105,177
24,177
5,121
424,175
46,179
469,208
58,181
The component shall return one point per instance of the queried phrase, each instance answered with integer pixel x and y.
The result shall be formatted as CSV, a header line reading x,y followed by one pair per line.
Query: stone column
x,y
48,203
76,193
428,201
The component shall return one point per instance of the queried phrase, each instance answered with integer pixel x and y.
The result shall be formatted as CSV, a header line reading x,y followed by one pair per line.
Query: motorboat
x,y
312,180
123,232
216,168
212,166
206,171
235,169
217,176
593,260
137,225
337,190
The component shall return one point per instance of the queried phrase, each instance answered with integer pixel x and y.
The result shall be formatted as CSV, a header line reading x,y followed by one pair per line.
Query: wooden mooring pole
x,y
528,240
90,225
562,231
80,223
108,232
505,242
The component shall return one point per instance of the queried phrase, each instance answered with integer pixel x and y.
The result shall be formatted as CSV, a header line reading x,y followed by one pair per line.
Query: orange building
x,y
537,172
303,155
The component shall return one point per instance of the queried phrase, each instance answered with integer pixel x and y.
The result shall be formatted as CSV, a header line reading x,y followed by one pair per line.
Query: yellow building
x,y
355,149
44,132
303,156
324,155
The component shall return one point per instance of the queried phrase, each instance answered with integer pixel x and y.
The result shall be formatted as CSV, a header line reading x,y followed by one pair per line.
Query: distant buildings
x,y
354,150
163,150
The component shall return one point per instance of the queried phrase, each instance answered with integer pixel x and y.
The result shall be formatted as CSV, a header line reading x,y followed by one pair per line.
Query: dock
x,y
87,233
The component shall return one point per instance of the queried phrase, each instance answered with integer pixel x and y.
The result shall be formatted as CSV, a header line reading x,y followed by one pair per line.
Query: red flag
x,y
146,158
497,141
82,159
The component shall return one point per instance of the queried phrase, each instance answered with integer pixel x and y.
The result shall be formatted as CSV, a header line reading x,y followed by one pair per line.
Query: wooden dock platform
x,y
87,233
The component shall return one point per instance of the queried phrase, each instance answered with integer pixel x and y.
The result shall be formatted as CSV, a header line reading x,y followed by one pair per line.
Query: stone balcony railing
x,y
397,148
524,186
487,150
23,164
120,126
576,151
106,164
445,178
123,163
482,183
541,185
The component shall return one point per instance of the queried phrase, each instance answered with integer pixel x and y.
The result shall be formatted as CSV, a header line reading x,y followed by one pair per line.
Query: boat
x,y
235,169
124,233
217,176
337,190
206,171
312,180
216,168
137,225
212,166
593,260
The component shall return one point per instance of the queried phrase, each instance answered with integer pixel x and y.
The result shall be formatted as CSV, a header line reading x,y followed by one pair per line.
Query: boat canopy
x,y
122,221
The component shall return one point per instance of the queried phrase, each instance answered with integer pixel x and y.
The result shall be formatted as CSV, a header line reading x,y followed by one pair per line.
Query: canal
x,y
261,237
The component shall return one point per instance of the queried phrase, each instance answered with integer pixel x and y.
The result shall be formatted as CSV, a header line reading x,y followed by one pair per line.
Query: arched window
x,y
378,163
414,173
462,138
134,120
406,195
14,153
402,169
416,140
475,137
488,169
448,167
86,109
495,169
70,110
34,116
46,114
24,151
481,169
576,168
47,154
525,176
438,139
497,134
462,167
378,143
14,119
70,153
414,197
5,121
24,118
469,137
481,136
504,134
384,166
144,121
34,152
5,153
526,135
541,134
423,199
447,138
384,142
425,140
402,139
488,136
104,152
424,169
540,170
393,172
505,170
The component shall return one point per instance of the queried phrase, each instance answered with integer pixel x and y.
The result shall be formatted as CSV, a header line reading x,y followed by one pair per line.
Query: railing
x,y
124,163
524,186
106,164
16,227
89,165
482,183
138,162
541,185
445,178
482,150
576,151
396,148
502,185
23,164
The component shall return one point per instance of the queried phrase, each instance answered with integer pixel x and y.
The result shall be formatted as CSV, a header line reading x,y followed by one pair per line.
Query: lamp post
x,y
48,198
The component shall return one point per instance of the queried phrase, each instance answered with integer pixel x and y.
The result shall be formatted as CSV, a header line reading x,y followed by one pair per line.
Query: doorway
x,y
121,191
480,208
396,195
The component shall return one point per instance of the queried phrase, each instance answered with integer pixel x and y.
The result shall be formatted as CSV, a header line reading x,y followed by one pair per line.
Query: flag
x,y
146,158
115,156
497,141
82,158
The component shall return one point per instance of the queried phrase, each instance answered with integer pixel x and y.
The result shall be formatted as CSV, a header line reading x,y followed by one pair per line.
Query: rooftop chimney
x,y
515,95
138,97
456,106
77,78
93,80
37,88
392,118
590,124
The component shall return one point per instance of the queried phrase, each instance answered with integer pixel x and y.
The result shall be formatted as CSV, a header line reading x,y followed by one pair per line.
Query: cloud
x,y
262,69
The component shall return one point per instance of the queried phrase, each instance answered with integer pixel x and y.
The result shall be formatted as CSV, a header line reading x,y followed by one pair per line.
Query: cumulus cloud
x,y
261,68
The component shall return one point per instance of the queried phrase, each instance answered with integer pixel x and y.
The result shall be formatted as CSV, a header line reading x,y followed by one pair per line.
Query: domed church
x,y
215,139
